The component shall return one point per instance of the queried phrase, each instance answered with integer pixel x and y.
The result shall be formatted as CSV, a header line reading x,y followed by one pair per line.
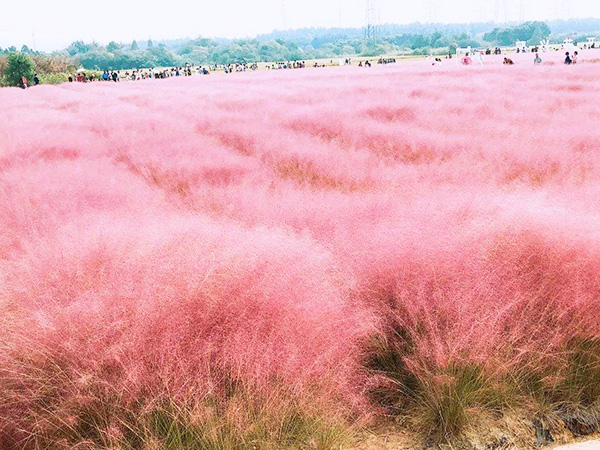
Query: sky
x,y
52,25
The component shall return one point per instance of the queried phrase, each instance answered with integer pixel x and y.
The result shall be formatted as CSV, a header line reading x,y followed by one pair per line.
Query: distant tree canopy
x,y
305,44
116,56
80,47
531,32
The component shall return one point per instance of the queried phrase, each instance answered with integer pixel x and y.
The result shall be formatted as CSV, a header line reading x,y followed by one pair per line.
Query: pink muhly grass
x,y
245,240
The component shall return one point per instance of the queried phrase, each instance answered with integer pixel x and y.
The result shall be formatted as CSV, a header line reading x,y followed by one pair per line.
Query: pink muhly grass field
x,y
263,257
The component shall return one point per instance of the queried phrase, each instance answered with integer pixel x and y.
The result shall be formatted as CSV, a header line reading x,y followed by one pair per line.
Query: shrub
x,y
18,65
54,78
54,64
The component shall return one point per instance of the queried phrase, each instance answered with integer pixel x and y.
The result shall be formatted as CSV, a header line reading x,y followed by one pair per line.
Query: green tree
x,y
113,47
160,56
537,36
18,65
150,43
532,32
134,46
79,47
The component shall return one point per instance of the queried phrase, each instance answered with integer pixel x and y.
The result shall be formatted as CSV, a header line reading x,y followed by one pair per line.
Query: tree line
x,y
293,45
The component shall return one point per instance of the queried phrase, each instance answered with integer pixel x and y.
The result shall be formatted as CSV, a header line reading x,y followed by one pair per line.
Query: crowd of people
x,y
185,71
467,60
188,70
139,74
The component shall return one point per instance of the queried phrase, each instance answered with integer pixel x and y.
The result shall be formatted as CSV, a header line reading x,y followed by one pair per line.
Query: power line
x,y
431,11
560,9
501,11
371,21
522,10
283,16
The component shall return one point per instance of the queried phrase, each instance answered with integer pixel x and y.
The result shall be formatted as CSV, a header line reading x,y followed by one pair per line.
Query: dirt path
x,y
591,445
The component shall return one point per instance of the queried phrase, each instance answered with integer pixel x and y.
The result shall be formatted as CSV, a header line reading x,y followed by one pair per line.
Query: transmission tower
x,y
561,10
522,11
371,21
501,13
431,11
283,16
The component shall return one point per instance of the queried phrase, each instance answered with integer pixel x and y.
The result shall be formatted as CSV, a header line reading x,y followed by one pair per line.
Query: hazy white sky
x,y
56,23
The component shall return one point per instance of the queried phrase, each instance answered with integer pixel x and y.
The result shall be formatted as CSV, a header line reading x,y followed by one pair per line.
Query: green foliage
x,y
239,421
445,399
385,357
53,64
532,32
18,65
212,51
173,428
583,380
575,379
80,47
54,78
113,47
439,399
536,37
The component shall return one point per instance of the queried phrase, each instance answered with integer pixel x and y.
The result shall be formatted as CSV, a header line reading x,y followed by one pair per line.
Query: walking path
x,y
591,445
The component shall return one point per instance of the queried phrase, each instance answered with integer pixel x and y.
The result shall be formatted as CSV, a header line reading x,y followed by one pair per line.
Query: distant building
x,y
568,45
464,51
